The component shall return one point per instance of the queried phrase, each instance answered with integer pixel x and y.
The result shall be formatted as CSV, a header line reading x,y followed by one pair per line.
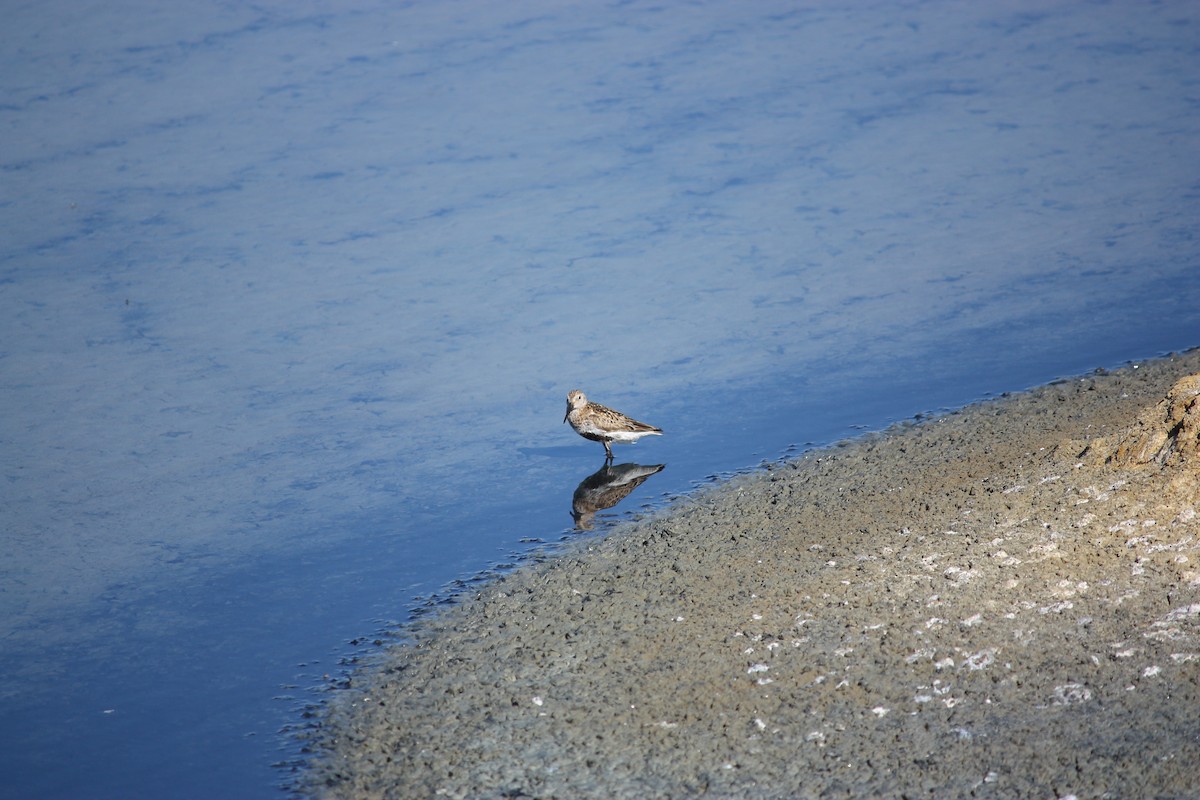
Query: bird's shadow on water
x,y
603,489
606,487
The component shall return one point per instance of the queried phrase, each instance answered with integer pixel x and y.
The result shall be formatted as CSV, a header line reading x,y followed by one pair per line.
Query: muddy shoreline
x,y
1000,602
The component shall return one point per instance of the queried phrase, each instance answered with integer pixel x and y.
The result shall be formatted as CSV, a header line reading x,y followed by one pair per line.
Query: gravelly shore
x,y
1000,602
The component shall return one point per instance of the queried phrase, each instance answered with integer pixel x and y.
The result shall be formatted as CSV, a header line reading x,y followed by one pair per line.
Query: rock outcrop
x,y
1167,434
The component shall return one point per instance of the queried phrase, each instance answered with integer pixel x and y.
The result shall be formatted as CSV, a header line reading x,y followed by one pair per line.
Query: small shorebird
x,y
602,424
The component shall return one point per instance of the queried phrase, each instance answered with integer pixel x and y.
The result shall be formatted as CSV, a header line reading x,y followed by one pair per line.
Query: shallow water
x,y
291,297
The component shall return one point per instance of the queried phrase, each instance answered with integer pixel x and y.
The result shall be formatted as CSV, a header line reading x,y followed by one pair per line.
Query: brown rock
x,y
1167,434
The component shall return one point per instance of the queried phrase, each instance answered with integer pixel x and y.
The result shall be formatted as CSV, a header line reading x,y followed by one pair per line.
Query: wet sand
x,y
999,602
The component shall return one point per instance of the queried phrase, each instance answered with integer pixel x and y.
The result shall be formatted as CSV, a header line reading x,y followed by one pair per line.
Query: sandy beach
x,y
1000,602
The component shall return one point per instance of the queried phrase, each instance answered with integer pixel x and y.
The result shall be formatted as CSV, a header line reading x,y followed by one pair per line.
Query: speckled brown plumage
x,y
603,424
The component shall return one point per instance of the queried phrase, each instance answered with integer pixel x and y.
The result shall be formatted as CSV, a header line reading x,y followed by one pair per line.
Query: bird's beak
x,y
568,412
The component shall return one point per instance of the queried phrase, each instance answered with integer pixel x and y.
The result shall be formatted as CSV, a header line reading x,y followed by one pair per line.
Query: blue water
x,y
291,296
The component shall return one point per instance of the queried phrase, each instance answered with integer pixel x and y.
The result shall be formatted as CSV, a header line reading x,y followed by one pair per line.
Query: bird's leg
x,y
608,455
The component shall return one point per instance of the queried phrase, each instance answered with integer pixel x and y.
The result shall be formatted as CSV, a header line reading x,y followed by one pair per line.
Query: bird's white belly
x,y
625,437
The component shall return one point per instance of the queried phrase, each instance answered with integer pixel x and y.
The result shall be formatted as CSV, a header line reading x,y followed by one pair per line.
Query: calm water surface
x,y
291,295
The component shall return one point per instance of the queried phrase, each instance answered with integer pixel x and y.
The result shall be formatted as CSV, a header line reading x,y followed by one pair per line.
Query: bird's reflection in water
x,y
605,488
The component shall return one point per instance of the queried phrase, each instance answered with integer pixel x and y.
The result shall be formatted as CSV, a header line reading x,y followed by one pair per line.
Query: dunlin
x,y
602,424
